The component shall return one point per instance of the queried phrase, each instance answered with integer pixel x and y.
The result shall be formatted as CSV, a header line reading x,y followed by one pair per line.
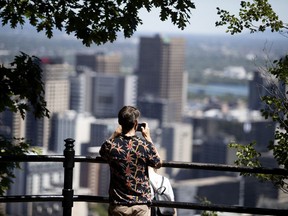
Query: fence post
x,y
68,164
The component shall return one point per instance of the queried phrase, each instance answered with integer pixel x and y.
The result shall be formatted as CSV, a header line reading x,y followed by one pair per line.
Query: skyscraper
x,y
111,92
57,92
161,71
99,62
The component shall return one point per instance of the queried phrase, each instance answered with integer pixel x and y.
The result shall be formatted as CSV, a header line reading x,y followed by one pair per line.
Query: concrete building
x,y
99,62
160,109
111,92
57,94
262,84
37,179
161,71
99,174
80,91
70,124
177,141
216,190
102,94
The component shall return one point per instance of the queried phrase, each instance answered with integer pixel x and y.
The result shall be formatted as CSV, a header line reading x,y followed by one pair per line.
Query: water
x,y
218,89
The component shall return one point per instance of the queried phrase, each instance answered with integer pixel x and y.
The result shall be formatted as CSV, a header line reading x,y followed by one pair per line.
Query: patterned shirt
x,y
129,158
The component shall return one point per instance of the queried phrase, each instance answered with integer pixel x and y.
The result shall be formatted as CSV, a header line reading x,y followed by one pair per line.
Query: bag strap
x,y
153,186
162,181
156,190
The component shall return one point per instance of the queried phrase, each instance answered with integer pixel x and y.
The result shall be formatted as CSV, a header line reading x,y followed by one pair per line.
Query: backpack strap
x,y
158,190
162,181
153,186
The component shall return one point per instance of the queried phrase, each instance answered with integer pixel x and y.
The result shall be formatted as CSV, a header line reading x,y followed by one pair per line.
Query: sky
x,y
203,18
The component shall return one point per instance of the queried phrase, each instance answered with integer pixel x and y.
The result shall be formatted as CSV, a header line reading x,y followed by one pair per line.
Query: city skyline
x,y
201,138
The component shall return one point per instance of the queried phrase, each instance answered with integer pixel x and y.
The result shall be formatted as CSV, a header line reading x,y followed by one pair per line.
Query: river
x,y
218,89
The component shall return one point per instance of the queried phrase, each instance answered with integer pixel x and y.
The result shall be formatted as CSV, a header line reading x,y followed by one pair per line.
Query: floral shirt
x,y
129,158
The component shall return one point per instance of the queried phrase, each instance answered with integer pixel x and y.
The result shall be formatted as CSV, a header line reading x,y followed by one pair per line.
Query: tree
x,y
21,90
22,87
258,16
91,21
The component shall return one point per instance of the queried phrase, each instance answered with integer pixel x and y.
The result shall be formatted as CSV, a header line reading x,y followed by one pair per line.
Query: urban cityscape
x,y
197,94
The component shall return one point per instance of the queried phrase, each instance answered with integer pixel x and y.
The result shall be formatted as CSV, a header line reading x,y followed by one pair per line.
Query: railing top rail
x,y
31,158
171,164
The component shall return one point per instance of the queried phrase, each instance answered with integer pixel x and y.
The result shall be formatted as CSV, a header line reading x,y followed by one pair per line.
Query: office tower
x,y
256,91
108,64
161,70
37,179
81,91
12,124
262,85
70,124
160,109
222,190
99,62
102,94
98,175
177,140
57,93
212,150
111,92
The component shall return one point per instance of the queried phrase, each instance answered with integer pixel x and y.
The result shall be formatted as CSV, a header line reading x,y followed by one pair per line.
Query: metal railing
x,y
68,198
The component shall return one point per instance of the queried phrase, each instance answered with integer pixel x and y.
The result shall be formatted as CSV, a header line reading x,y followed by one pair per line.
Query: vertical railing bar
x,y
68,164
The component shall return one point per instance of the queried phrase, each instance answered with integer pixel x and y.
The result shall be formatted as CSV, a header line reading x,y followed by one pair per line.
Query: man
x,y
129,157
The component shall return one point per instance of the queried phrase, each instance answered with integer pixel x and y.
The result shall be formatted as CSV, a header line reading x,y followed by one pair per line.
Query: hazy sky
x,y
203,17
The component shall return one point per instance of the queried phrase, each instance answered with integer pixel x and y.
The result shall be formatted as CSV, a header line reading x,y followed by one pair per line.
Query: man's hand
x,y
146,132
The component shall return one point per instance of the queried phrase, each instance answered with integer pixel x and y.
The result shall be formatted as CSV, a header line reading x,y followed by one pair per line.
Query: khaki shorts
x,y
135,210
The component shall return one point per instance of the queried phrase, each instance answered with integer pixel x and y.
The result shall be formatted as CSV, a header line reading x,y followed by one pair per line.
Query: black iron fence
x,y
68,197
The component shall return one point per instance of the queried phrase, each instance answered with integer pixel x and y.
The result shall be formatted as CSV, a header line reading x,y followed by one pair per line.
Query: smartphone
x,y
140,125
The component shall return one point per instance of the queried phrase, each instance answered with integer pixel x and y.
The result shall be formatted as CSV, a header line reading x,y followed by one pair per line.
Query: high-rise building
x,y
99,62
81,91
256,91
161,70
161,109
70,124
98,175
209,189
111,92
177,140
57,93
108,64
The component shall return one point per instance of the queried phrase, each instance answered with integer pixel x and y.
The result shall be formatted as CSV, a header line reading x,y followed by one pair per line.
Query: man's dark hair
x,y
127,117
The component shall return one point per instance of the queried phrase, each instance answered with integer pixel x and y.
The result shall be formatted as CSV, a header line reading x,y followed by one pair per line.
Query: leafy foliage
x,y
249,157
21,90
100,209
21,87
19,147
91,21
256,16
205,201
276,107
246,155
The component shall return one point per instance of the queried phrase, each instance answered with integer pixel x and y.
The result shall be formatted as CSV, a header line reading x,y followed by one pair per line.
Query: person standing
x,y
129,157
